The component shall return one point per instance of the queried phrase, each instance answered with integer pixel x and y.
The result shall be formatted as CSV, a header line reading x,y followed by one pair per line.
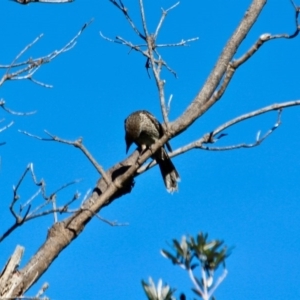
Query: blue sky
x,y
248,197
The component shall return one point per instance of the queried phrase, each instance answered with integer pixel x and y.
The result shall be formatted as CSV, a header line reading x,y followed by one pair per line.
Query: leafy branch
x,y
201,259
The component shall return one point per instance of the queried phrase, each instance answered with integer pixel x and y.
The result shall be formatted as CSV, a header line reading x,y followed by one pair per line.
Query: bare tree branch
x,y
36,212
44,287
258,141
78,144
154,59
29,67
182,43
124,10
6,127
209,137
2,105
11,267
201,102
120,177
235,64
163,16
144,23
111,223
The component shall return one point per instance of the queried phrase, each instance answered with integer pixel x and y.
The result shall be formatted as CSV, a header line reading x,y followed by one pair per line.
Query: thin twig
x,y
32,65
153,58
2,105
124,10
35,213
143,19
22,52
163,16
111,223
78,144
28,202
7,126
182,43
42,290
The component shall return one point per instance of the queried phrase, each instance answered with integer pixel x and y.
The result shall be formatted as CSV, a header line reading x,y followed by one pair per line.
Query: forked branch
x,y
26,69
122,174
150,49
78,144
39,210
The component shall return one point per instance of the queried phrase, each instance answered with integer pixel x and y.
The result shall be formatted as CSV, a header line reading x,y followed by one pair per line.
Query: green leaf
x,y
161,292
150,289
197,292
167,254
177,247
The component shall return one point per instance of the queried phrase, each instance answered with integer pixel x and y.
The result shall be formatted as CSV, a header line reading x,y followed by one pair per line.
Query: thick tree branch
x,y
204,100
120,177
201,103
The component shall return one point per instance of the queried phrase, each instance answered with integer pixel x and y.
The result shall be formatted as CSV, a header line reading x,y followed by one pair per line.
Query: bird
x,y
143,129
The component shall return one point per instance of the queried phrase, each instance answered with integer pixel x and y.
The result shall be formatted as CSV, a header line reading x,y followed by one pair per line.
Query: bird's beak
x,y
128,144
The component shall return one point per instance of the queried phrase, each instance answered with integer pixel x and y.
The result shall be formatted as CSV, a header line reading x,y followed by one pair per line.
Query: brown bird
x,y
143,129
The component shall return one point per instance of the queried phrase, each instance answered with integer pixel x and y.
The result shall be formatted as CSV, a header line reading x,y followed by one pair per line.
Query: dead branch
x,y
27,69
204,100
124,10
258,141
235,64
209,137
182,43
10,268
150,50
111,223
78,144
138,48
163,16
38,210
2,105
61,234
6,126
42,290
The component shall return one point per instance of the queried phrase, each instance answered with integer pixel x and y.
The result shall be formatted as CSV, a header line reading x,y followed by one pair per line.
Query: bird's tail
x,y
168,170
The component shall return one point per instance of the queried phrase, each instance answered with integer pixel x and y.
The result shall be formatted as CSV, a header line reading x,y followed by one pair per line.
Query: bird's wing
x,y
158,127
